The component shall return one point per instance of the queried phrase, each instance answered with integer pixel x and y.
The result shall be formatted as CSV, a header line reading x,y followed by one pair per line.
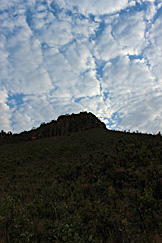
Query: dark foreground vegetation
x,y
90,186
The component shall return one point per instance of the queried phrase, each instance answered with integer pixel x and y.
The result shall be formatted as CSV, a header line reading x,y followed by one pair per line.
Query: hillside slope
x,y
64,125
89,186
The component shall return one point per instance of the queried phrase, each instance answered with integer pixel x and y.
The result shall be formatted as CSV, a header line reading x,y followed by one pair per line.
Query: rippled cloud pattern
x,y
66,56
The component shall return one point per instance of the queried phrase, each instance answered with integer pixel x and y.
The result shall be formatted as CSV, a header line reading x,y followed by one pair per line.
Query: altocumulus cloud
x,y
64,56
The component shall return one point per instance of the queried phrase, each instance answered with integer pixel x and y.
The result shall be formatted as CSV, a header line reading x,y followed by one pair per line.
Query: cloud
x,y
149,113
5,112
42,108
129,32
8,4
64,56
106,46
153,52
23,61
151,11
130,85
96,7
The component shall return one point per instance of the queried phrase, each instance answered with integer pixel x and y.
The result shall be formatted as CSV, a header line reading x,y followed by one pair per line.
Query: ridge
x,y
64,125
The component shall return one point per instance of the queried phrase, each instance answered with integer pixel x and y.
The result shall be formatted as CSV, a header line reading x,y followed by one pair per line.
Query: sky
x,y
67,56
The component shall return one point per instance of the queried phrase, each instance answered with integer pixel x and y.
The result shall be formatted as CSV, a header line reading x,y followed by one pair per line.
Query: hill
x,y
93,185
64,125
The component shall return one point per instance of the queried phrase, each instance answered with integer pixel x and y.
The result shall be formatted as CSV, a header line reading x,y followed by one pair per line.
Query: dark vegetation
x,y
88,185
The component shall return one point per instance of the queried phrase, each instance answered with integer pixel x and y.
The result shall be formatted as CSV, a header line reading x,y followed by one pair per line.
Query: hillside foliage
x,y
94,186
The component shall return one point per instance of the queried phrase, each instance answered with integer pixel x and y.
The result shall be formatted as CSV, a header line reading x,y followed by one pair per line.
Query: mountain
x,y
82,184
64,125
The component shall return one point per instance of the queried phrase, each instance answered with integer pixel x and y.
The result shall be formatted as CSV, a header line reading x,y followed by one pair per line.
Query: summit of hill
x,y
64,125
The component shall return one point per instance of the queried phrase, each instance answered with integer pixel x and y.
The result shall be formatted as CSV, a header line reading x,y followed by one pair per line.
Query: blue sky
x,y
66,56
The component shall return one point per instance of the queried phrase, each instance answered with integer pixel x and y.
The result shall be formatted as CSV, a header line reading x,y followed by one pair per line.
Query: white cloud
x,y
79,56
131,85
107,47
57,33
96,7
7,4
153,52
38,109
129,31
22,61
88,85
5,112
62,59
146,116
30,3
151,11
5,115
155,34
3,96
97,106
132,3
149,1
4,66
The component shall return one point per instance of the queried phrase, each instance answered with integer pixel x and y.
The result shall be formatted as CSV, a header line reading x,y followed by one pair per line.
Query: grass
x,y
91,186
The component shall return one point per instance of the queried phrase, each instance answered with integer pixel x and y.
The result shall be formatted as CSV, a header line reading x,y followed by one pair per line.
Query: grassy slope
x,y
93,186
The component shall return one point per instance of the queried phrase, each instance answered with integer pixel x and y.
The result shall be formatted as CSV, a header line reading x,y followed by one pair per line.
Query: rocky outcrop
x,y
67,124
64,125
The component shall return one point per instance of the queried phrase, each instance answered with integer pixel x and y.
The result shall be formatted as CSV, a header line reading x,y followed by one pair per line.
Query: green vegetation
x,y
91,186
